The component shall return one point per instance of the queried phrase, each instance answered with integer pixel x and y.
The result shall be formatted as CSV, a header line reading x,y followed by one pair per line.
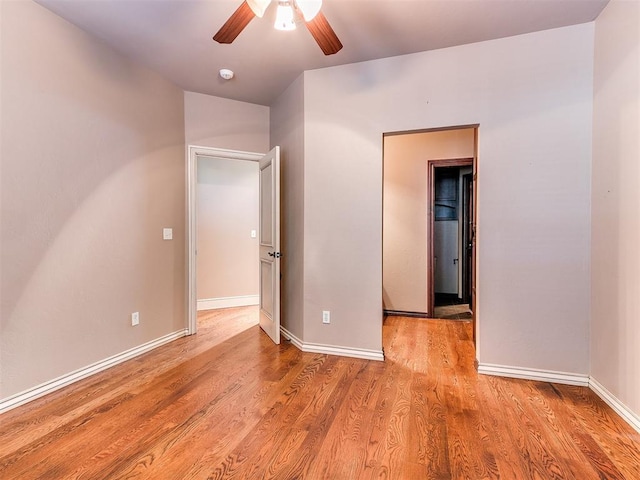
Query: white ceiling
x,y
173,37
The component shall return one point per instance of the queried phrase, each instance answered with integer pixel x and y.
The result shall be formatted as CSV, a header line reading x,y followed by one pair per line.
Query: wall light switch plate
x,y
167,233
135,318
326,316
254,233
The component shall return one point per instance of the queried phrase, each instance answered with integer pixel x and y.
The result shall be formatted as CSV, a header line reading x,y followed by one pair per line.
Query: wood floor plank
x,y
271,429
323,420
568,428
429,438
46,414
227,433
541,461
229,404
182,398
349,431
508,443
227,413
606,429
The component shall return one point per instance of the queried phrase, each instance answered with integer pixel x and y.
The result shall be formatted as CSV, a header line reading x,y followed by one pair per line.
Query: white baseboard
x,y
228,302
532,374
60,382
291,337
620,408
332,350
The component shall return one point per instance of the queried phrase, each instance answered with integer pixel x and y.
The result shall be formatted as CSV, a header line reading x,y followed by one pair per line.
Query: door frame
x,y
431,195
193,152
467,236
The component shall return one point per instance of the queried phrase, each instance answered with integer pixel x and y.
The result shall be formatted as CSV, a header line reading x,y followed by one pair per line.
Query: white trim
x,y
228,302
193,152
533,374
620,408
292,338
56,384
365,354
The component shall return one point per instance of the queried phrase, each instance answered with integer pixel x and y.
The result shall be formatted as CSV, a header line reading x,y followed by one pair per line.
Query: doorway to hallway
x,y
451,231
410,230
251,232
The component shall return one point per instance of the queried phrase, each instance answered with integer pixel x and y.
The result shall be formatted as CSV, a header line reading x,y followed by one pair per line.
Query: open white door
x,y
270,244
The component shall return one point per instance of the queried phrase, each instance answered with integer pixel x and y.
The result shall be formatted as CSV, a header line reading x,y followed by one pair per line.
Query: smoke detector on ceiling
x,y
226,73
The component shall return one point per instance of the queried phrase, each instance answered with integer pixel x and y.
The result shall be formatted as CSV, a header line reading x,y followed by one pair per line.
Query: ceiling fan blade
x,y
236,23
326,38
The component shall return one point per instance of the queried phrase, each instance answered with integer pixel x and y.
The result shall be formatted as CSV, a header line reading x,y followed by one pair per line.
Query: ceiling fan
x,y
308,10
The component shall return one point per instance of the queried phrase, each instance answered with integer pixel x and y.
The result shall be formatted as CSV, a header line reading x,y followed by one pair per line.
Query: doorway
x,y
409,162
222,242
451,185
265,235
227,233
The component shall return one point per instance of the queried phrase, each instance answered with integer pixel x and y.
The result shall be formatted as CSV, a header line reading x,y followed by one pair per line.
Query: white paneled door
x,y
270,244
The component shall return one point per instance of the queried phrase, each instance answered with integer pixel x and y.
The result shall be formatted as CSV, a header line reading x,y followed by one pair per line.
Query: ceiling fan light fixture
x,y
285,18
309,8
258,6
287,12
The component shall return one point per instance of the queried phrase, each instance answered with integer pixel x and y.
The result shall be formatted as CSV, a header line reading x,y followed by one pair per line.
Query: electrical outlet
x,y
326,316
135,318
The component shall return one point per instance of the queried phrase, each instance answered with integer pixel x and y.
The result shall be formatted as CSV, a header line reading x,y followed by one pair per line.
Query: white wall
x,y
405,211
227,210
93,168
222,123
532,96
615,303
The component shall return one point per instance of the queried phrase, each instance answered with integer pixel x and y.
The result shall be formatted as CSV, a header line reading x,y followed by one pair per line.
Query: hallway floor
x,y
453,312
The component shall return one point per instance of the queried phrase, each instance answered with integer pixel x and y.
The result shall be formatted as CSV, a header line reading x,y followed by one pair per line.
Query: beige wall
x,y
287,130
405,211
227,211
93,168
615,304
222,123
532,96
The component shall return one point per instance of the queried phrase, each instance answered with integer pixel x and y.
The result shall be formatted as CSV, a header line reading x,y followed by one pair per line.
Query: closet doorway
x,y
451,237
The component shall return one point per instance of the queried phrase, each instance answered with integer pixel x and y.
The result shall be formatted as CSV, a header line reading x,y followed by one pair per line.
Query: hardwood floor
x,y
227,403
